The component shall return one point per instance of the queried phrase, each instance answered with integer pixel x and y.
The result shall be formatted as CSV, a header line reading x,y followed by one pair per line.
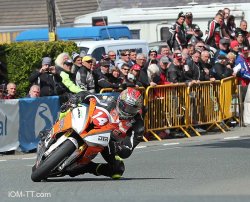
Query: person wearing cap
x,y
84,76
180,39
214,31
240,39
234,47
45,78
152,58
102,77
133,77
223,48
175,73
220,70
193,32
164,63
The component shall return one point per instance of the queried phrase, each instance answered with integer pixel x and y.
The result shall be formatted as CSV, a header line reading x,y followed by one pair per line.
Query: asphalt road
x,y
209,168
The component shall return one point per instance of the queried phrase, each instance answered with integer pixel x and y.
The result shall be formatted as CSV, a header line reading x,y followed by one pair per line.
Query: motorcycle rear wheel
x,y
43,170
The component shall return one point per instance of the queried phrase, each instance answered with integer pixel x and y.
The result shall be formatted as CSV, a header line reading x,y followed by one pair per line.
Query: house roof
x,y
34,12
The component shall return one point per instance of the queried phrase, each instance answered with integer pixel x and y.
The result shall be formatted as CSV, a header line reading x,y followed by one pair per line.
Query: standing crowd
x,y
188,58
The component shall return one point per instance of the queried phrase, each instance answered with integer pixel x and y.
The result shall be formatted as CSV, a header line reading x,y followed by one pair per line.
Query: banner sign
x,y
36,114
9,122
21,120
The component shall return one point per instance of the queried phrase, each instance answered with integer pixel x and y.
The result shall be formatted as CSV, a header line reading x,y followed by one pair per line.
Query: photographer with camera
x,y
44,77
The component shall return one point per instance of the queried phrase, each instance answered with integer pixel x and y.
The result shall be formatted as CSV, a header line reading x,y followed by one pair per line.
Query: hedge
x,y
22,58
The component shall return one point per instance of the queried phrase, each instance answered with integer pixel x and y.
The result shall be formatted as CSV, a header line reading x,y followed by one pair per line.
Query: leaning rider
x,y
127,112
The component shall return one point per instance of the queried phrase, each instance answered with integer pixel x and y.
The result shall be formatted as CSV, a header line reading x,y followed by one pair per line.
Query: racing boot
x,y
114,170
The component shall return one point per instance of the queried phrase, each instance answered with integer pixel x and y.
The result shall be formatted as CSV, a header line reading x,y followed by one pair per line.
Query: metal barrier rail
x,y
204,104
181,107
167,108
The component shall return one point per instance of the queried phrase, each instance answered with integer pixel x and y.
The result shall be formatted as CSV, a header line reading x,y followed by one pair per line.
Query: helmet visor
x,y
128,109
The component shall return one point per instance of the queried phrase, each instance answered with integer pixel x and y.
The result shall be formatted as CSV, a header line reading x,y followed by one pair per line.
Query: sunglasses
x,y
125,69
89,61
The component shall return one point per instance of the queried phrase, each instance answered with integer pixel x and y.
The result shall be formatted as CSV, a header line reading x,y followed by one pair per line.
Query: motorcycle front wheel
x,y
50,163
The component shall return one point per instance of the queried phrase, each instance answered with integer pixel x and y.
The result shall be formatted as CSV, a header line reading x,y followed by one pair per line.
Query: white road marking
x,y
172,143
3,160
231,138
28,158
140,147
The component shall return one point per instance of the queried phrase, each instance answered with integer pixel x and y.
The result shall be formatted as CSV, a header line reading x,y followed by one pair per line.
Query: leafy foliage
x,y
23,57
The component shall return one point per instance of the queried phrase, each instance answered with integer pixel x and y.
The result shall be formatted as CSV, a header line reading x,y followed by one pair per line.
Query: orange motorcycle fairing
x,y
65,123
89,154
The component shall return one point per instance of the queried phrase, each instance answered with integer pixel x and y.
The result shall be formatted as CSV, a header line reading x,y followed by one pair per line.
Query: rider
x,y
127,112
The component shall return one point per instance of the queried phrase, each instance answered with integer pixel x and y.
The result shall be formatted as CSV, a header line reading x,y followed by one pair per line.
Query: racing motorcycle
x,y
82,133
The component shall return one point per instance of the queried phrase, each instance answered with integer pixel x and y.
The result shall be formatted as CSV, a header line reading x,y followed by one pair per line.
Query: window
x,y
135,34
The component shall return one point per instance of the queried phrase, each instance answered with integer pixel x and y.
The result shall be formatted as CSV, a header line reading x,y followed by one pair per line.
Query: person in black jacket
x,y
220,70
45,78
102,76
175,73
196,72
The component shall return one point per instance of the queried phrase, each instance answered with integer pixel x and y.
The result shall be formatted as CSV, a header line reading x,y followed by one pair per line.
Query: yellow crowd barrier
x,y
177,106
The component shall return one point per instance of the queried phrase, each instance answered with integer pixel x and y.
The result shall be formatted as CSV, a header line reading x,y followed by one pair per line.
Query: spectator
x,y
164,63
153,72
220,70
240,39
223,48
196,73
164,51
234,46
61,58
132,58
243,30
175,70
34,91
77,60
243,71
115,76
124,59
193,32
84,76
205,60
124,71
2,91
3,73
214,31
226,15
45,78
152,58
65,83
141,60
231,27
180,40
231,59
135,71
11,91
102,76
112,58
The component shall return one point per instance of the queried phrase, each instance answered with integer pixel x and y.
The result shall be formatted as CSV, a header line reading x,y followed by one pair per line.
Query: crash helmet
x,y
129,103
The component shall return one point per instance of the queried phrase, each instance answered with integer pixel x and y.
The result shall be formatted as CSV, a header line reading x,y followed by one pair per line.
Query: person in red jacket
x,y
164,64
